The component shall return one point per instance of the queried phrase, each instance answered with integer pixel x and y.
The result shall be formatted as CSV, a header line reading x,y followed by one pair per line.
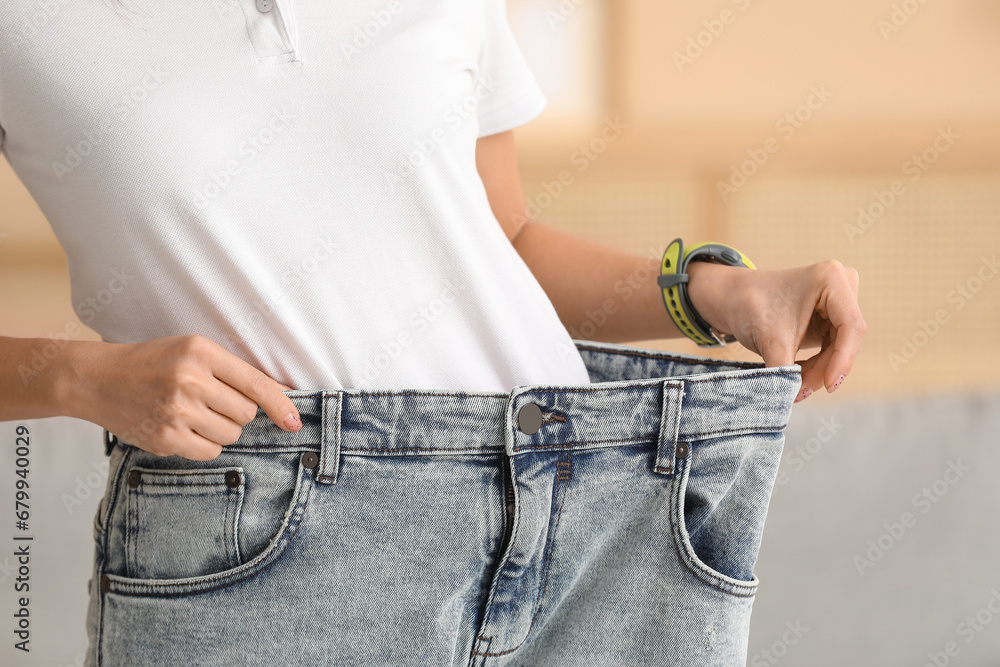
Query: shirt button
x,y
264,6
529,418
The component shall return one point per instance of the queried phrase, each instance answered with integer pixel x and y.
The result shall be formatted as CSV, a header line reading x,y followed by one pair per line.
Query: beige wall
x,y
686,128
887,99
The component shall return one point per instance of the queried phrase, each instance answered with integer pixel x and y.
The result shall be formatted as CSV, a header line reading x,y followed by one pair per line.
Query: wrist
x,y
72,385
708,288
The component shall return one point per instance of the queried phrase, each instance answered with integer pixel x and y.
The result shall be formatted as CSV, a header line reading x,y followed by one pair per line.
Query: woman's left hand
x,y
777,312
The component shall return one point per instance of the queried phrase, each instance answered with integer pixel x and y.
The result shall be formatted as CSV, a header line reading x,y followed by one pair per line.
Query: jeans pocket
x,y
719,499
182,522
179,526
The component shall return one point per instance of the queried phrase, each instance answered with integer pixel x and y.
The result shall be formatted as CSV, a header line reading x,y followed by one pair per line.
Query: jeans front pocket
x,y
718,504
178,526
182,522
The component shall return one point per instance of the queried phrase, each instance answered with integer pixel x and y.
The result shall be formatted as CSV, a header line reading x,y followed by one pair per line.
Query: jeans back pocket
x,y
182,522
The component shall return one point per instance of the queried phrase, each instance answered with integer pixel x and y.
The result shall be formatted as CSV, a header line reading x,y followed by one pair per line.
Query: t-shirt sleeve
x,y
508,92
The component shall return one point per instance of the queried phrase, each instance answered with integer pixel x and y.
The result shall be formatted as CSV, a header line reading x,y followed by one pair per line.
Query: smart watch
x,y
673,280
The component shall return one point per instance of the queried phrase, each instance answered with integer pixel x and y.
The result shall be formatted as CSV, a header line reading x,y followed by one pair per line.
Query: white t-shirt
x,y
293,179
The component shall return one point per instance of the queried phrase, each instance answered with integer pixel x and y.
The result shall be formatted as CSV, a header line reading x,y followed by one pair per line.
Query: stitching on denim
x,y
291,530
113,492
746,429
335,452
546,561
738,590
236,508
182,484
177,472
547,557
584,442
422,393
554,416
476,651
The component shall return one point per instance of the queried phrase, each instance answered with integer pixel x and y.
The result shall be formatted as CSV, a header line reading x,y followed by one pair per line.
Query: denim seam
x,y
583,442
547,556
701,573
236,509
745,429
483,654
113,490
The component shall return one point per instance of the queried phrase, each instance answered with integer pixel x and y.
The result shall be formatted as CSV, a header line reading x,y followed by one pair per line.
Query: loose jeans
x,y
616,523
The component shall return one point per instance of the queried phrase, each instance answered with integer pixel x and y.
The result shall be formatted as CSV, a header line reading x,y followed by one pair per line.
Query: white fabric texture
x,y
299,185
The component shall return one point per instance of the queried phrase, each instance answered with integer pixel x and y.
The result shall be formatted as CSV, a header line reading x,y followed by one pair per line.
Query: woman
x,y
345,421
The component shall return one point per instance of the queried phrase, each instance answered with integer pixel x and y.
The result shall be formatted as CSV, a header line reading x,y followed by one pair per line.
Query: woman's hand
x,y
181,395
776,313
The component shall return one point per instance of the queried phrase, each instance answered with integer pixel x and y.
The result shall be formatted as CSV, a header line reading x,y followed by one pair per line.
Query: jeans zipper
x,y
508,483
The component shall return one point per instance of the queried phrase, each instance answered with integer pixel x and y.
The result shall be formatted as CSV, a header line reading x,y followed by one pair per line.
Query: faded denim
x,y
433,531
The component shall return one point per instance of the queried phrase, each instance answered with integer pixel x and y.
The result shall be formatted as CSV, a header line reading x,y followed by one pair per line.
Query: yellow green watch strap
x,y
673,281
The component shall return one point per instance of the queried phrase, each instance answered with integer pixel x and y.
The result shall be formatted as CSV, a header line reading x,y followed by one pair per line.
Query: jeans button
x,y
232,478
529,418
134,477
310,459
682,450
264,6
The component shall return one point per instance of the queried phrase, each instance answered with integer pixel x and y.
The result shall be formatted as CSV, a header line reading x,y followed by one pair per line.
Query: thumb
x,y
778,355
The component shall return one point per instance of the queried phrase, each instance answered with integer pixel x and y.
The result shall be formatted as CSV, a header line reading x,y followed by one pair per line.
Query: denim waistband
x,y
636,395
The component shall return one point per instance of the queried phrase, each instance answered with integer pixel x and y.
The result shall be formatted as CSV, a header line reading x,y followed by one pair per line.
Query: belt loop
x,y
109,441
329,455
670,423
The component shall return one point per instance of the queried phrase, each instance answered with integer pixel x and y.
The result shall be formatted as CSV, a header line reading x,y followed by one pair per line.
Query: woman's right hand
x,y
181,395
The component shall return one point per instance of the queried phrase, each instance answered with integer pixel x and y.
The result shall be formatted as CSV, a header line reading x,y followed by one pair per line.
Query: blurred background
x,y
865,131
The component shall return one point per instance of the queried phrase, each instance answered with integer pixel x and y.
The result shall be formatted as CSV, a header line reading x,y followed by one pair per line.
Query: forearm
x,y
37,376
604,294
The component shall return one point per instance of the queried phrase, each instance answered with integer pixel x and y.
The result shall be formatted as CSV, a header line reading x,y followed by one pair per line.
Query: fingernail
x,y
836,384
292,422
804,394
